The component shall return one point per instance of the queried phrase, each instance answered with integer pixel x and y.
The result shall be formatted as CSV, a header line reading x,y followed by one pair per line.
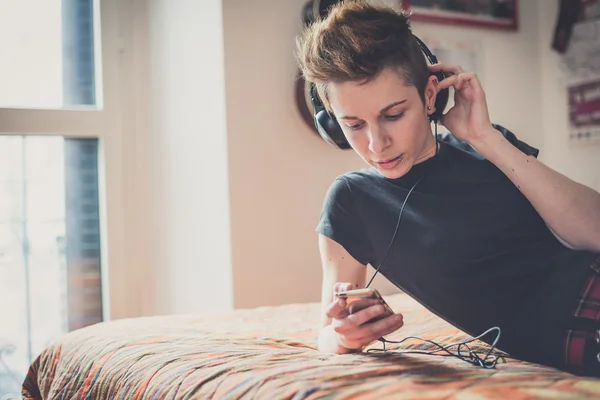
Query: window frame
x,y
113,123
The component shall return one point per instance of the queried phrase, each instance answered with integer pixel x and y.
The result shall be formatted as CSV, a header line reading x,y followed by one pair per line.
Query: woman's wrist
x,y
486,140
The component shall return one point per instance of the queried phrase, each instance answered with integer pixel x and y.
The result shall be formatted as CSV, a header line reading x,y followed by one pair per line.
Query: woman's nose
x,y
378,140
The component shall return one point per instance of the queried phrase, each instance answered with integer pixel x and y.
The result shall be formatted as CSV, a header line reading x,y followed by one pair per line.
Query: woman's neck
x,y
429,149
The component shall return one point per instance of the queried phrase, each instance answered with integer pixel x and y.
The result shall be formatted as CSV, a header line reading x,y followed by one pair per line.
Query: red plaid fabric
x,y
588,306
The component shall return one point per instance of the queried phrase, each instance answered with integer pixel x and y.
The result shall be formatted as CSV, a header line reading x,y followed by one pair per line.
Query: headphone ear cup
x,y
326,124
330,130
441,100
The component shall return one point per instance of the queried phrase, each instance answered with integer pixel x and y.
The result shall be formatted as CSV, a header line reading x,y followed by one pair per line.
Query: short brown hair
x,y
355,42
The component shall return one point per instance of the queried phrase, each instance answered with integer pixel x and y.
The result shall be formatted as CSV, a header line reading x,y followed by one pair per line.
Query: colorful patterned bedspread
x,y
269,353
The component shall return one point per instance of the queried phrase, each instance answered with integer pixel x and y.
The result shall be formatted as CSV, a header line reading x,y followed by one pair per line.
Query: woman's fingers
x,y
456,77
353,321
365,315
446,68
337,309
462,81
341,287
469,79
385,326
360,322
375,330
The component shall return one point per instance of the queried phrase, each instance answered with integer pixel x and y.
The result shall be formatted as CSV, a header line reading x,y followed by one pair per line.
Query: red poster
x,y
584,110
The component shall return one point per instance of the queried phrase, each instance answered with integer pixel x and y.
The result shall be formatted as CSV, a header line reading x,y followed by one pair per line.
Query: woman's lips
x,y
390,163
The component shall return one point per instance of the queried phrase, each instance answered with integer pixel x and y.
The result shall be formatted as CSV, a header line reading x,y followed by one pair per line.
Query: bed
x,y
269,353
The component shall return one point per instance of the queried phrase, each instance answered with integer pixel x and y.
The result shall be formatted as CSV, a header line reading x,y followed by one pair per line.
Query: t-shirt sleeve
x,y
519,144
341,221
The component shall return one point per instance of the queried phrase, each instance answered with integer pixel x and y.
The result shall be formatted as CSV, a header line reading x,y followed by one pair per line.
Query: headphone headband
x,y
430,56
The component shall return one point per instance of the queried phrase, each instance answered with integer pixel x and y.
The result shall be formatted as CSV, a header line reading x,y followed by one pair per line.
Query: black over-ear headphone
x,y
331,131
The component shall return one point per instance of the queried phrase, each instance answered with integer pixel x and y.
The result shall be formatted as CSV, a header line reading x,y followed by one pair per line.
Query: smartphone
x,y
354,295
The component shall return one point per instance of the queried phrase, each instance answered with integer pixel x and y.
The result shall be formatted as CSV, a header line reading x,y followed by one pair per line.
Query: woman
x,y
489,237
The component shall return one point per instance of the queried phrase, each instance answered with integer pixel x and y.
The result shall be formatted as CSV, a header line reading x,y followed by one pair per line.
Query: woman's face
x,y
385,121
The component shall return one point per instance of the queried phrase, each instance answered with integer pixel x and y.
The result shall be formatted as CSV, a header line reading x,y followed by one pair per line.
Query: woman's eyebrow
x,y
384,109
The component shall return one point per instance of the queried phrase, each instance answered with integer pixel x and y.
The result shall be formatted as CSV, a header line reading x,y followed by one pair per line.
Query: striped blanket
x,y
269,353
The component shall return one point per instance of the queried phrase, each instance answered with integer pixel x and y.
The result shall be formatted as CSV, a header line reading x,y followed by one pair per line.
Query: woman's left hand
x,y
468,119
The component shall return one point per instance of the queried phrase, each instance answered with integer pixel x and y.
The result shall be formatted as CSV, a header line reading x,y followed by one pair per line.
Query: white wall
x,y
188,160
236,179
279,169
581,163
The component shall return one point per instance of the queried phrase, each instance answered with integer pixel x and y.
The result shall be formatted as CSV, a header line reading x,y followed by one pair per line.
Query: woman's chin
x,y
395,172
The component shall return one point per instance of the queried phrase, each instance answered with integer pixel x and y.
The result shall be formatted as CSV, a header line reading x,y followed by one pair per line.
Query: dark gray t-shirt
x,y
470,247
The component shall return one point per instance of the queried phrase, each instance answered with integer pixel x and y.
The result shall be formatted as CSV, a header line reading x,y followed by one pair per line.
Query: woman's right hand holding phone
x,y
360,323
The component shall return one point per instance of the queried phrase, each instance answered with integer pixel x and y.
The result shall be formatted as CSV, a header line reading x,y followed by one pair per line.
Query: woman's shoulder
x,y
351,187
350,181
459,161
450,141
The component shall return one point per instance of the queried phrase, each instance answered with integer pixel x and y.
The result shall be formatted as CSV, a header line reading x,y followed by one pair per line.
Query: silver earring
x,y
428,108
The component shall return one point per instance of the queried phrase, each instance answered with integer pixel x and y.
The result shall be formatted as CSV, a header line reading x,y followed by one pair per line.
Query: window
x,y
48,55
62,185
49,246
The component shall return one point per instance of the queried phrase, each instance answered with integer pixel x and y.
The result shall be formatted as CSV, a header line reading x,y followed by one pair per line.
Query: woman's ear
x,y
430,94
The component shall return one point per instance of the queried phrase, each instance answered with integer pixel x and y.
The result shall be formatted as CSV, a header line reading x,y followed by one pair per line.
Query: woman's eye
x,y
394,117
355,126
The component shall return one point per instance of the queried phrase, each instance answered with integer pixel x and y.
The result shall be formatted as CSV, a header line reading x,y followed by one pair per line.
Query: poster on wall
x,y
581,61
580,66
570,13
486,14
464,54
584,112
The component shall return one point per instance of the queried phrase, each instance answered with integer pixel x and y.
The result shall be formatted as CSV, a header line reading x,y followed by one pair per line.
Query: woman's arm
x,y
341,332
338,266
570,209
